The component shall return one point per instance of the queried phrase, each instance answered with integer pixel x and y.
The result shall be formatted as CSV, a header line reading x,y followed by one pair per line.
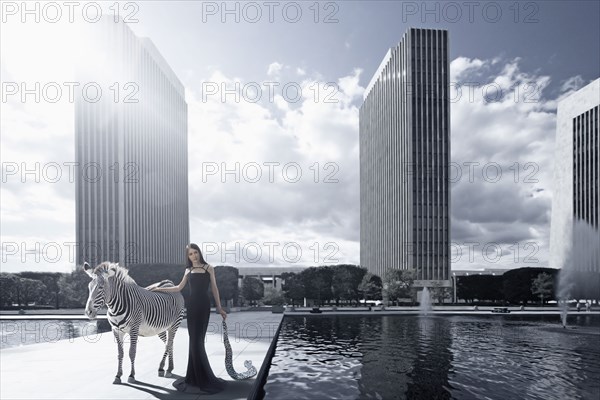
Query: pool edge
x,y
257,392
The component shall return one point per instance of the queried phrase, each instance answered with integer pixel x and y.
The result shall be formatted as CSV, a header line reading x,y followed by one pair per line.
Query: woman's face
x,y
193,255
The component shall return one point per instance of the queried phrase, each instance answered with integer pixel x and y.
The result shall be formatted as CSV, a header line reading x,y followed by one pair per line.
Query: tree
x,y
32,291
9,291
252,289
73,288
370,287
398,283
317,283
50,280
440,293
227,282
292,287
273,297
147,274
480,287
345,282
543,286
517,283
464,288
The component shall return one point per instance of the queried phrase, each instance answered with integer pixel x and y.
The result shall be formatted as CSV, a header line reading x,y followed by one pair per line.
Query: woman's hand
x,y
222,312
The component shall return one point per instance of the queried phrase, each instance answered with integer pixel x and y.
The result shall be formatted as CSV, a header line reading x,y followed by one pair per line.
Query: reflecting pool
x,y
436,357
15,333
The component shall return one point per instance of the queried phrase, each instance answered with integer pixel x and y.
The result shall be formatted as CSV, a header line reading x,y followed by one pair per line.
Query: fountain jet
x,y
425,304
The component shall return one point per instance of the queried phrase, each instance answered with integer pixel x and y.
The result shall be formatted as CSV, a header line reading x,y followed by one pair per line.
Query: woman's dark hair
x,y
188,262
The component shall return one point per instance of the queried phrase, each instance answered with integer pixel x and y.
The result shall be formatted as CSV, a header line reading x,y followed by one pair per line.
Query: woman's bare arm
x,y
177,288
213,286
215,291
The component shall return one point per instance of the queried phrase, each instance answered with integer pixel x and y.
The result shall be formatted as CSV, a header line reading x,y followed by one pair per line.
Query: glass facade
x,y
131,154
585,167
404,155
574,233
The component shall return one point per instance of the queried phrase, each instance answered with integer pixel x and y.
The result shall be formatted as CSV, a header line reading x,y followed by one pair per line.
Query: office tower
x,y
574,237
131,151
404,156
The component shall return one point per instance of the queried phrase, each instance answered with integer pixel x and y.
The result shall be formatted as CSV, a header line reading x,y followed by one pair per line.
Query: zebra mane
x,y
121,273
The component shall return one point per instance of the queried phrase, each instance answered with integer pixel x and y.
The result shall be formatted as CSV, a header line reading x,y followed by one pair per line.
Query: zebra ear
x,y
88,269
112,270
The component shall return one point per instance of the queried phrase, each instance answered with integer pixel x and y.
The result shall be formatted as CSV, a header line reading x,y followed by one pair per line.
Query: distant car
x,y
502,310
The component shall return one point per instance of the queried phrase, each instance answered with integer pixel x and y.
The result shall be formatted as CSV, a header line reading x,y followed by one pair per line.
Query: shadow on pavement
x,y
235,389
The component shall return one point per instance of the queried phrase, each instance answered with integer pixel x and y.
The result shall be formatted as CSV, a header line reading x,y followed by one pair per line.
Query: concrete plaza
x,y
84,367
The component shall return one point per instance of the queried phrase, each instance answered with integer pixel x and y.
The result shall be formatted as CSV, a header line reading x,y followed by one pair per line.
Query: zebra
x,y
135,311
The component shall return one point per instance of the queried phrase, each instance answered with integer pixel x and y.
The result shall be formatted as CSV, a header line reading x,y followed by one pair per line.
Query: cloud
x,y
274,68
572,84
350,87
287,172
502,134
293,171
502,148
37,147
462,65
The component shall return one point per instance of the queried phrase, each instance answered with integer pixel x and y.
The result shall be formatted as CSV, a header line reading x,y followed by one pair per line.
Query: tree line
x,y
518,286
351,284
70,290
337,284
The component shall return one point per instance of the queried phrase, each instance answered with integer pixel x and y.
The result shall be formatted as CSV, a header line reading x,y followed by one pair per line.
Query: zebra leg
x,y
163,337
169,349
133,335
119,337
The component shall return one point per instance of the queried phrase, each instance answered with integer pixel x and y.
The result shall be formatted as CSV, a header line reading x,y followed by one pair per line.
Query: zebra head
x,y
97,287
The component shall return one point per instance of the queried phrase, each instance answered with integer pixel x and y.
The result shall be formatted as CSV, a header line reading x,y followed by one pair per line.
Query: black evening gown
x,y
199,377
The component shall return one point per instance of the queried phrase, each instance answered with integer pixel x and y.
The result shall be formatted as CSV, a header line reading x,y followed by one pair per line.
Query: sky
x,y
510,64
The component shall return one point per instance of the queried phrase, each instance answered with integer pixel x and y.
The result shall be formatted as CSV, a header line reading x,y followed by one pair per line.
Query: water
x,y
14,333
434,357
425,303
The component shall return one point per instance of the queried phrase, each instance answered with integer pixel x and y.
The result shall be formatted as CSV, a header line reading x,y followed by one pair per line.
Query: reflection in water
x,y
15,333
521,359
408,359
435,357
434,361
328,353
386,334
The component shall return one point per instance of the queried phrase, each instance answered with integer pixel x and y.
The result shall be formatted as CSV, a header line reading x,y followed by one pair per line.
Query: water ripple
x,y
404,357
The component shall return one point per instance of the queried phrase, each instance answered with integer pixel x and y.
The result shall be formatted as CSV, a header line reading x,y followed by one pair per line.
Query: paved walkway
x,y
84,367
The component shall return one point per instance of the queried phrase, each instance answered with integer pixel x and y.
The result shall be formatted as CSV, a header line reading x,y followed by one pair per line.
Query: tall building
x,y
131,151
404,156
574,233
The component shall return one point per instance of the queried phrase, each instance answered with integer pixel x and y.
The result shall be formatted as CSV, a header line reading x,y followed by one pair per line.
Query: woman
x,y
199,377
